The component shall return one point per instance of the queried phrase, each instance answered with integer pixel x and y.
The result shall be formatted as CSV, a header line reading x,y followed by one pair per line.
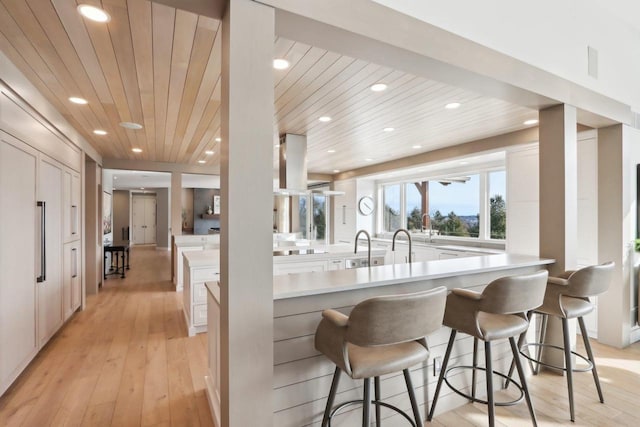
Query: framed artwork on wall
x,y
106,213
216,205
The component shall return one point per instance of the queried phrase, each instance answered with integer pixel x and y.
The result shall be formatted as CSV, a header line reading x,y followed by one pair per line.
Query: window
x,y
391,219
467,206
497,205
414,204
319,217
454,207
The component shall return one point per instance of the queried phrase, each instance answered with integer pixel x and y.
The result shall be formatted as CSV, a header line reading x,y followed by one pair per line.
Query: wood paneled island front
x,y
302,376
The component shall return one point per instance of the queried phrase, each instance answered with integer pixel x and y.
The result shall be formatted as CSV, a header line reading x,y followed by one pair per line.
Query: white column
x,y
246,279
558,203
559,187
176,204
618,156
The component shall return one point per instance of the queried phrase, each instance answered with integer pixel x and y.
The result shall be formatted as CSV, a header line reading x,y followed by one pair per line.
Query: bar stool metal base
x,y
539,363
374,402
475,399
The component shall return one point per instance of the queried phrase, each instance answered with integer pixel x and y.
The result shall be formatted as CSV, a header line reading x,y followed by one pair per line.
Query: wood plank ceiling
x,y
160,67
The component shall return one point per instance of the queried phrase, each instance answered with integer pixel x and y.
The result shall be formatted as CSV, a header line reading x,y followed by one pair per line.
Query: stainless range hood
x,y
293,165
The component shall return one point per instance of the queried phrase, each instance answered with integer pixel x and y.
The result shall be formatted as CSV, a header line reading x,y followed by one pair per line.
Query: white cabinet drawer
x,y
199,314
199,293
205,275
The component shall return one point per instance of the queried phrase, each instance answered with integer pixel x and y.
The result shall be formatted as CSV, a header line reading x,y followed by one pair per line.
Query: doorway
x,y
144,219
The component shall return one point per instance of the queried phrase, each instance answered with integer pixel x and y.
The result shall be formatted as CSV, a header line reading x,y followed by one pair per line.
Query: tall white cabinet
x,y
18,270
40,235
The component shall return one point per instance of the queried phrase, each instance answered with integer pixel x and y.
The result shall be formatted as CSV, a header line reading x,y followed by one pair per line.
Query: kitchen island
x,y
302,376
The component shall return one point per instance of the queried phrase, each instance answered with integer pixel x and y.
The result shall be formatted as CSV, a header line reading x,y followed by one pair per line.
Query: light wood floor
x,y
124,361
127,361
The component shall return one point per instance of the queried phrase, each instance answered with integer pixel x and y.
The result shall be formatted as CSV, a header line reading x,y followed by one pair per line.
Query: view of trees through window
x,y
453,206
497,205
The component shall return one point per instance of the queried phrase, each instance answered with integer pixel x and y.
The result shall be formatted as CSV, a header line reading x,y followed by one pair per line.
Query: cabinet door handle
x,y
74,251
344,214
74,219
43,242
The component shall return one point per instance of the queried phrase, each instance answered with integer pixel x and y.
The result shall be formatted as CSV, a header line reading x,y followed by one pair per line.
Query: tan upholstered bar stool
x,y
567,297
499,312
382,335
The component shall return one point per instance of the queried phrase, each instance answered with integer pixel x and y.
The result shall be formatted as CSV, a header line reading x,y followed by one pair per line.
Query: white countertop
x,y
305,284
206,258
439,245
330,251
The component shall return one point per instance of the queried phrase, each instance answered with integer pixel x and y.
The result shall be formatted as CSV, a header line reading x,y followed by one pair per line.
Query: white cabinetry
x,y
49,285
199,267
71,283
71,205
344,212
40,284
300,267
18,252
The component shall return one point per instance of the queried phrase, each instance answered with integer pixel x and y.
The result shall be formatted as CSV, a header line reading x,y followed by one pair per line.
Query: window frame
x,y
484,205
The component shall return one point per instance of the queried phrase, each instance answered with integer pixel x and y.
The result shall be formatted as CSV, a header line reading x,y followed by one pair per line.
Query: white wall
x,y
523,200
550,35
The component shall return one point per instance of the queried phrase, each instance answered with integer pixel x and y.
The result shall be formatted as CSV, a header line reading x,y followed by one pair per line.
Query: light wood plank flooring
x,y
124,361
127,361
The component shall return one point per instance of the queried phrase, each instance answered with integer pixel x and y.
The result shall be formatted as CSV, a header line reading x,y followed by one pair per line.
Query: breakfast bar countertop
x,y
306,284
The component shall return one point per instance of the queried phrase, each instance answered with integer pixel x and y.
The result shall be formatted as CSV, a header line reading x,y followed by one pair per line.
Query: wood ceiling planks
x,y
160,67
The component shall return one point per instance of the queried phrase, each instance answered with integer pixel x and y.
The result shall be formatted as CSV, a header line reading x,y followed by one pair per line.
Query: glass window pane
x,y
413,205
391,214
302,216
319,217
454,207
497,205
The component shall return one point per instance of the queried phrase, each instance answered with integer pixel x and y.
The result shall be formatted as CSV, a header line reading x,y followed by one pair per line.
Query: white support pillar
x,y
246,264
559,187
176,204
618,156
558,203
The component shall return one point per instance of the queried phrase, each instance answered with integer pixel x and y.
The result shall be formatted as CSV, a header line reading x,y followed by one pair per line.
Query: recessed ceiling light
x,y
77,100
331,151
202,161
452,105
131,125
276,146
417,146
388,129
530,122
368,160
336,170
280,64
378,87
137,150
100,132
115,177
93,13
209,152
142,188
218,139
325,119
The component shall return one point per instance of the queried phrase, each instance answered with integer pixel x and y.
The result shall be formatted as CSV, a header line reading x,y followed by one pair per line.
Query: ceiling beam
x,y
211,8
146,165
493,143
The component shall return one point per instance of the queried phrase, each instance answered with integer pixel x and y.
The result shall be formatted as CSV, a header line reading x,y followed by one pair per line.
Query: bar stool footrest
x,y
375,402
548,365
475,399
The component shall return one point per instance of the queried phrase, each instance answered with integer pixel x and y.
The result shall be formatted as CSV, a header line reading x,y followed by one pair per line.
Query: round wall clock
x,y
366,205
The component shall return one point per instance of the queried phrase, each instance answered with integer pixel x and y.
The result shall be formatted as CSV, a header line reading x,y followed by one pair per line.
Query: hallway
x,y
124,361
